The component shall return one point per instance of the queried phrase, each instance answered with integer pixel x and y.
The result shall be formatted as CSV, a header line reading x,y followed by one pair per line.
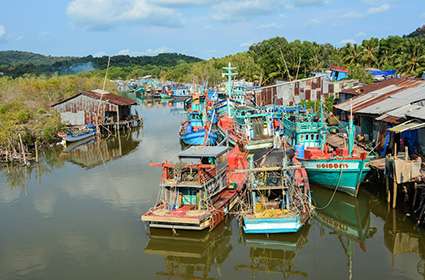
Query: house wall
x,y
85,105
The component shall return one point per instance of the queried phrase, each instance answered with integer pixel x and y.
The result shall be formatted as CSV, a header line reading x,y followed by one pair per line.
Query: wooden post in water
x,y
36,151
394,179
24,157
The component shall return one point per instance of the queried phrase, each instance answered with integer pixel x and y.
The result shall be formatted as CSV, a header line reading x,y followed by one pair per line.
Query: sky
x,y
202,28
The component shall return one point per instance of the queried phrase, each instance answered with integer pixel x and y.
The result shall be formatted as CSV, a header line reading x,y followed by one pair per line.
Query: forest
x,y
31,82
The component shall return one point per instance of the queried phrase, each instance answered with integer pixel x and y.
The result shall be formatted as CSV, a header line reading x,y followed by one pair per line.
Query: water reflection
x,y
191,255
86,154
96,152
275,254
345,217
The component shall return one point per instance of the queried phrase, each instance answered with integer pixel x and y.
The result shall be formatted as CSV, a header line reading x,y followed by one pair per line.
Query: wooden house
x,y
97,107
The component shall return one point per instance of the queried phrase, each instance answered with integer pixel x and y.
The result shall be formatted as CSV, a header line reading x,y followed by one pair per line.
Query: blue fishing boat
x,y
278,195
181,93
197,129
198,137
78,134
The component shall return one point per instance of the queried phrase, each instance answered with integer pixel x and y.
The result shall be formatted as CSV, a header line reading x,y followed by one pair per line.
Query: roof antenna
x,y
106,73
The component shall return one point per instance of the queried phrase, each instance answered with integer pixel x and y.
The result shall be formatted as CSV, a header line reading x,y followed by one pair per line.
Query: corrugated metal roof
x,y
386,99
398,99
105,96
399,113
112,98
372,87
203,151
419,113
409,125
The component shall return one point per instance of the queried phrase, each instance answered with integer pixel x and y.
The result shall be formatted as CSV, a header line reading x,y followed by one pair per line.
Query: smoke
x,y
79,68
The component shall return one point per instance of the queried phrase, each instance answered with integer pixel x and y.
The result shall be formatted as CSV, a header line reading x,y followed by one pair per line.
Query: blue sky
x,y
203,28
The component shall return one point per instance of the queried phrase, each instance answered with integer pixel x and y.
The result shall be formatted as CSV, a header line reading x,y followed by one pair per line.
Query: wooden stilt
x,y
36,151
387,185
24,157
395,187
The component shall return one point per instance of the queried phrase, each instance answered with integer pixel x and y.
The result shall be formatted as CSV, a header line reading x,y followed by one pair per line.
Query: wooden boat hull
x,y
197,138
173,220
343,175
254,225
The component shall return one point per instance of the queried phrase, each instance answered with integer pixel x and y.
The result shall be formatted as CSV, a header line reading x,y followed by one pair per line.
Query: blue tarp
x,y
384,73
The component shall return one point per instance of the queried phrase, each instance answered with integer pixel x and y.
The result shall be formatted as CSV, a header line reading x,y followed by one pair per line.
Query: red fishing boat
x,y
200,190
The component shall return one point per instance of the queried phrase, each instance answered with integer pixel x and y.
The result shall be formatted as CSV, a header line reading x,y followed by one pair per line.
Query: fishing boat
x,y
72,135
200,190
257,127
195,132
342,169
278,195
197,129
181,93
166,93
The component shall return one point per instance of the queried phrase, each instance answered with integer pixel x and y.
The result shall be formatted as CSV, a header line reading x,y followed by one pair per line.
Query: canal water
x,y
77,216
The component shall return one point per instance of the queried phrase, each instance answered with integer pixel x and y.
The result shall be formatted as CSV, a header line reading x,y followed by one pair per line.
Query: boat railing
x,y
188,174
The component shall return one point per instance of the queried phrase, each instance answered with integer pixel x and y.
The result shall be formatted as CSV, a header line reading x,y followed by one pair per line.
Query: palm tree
x,y
411,60
352,54
370,51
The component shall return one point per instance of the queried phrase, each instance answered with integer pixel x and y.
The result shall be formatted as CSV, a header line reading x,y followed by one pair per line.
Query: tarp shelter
x,y
407,126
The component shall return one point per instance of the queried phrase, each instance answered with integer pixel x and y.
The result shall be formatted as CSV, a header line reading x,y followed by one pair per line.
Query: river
x,y
77,216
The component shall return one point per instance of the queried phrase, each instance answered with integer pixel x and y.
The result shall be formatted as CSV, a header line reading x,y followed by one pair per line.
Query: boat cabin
x,y
192,189
197,176
304,130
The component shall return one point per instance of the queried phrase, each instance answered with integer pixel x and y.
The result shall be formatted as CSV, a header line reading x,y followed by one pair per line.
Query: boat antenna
x,y
322,124
229,87
350,132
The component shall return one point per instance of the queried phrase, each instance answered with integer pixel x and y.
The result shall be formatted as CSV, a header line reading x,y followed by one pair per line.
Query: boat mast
x,y
322,126
350,132
229,87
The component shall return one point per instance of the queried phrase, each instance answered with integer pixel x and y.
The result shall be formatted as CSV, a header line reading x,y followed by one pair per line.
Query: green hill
x,y
18,63
420,32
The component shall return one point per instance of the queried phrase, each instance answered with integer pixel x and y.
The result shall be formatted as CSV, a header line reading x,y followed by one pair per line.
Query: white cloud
x,y
352,15
104,14
236,10
271,25
150,52
181,2
246,44
371,11
313,22
240,10
379,9
361,34
347,41
2,32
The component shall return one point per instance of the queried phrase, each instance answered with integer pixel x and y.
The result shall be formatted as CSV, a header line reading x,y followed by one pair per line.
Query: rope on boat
x,y
333,194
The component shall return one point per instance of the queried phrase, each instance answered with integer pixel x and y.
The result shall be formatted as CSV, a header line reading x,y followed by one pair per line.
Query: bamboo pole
x,y
36,151
394,178
22,149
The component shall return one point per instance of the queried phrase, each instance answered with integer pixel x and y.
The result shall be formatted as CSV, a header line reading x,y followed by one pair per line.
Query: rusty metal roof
x,y
372,87
111,98
385,99
104,96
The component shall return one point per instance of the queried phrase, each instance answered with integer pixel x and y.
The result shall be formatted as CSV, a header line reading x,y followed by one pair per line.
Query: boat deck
x,y
186,217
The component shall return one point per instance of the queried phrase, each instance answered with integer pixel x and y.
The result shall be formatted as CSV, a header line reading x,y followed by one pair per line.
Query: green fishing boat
x,y
342,170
